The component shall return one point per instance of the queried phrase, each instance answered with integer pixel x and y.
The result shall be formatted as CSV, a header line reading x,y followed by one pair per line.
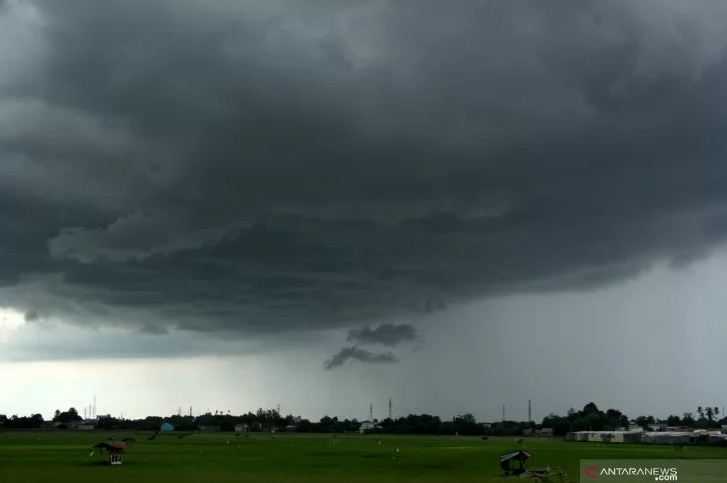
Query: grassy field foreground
x,y
60,457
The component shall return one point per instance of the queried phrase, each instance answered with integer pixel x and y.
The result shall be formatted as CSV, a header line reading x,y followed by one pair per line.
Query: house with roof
x,y
513,463
369,427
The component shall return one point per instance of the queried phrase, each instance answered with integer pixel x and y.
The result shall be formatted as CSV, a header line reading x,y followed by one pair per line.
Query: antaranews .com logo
x,y
651,470
617,471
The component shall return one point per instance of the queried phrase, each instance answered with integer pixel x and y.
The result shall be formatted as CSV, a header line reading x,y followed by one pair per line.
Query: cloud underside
x,y
385,334
361,355
265,167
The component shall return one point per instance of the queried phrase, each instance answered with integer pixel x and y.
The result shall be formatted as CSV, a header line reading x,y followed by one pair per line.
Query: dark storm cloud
x,y
385,334
31,316
361,355
236,167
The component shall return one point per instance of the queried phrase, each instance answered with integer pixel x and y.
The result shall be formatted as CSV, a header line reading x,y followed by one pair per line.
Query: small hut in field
x,y
115,450
513,463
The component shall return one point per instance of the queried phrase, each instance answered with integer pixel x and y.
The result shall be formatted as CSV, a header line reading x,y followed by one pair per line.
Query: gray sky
x,y
319,204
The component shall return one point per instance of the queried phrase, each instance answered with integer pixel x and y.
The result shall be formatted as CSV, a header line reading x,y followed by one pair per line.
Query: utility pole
x,y
530,410
503,412
371,412
390,409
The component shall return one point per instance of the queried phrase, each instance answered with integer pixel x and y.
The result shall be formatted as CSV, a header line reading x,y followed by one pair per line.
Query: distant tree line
x,y
266,420
64,418
590,418
270,420
708,417
25,422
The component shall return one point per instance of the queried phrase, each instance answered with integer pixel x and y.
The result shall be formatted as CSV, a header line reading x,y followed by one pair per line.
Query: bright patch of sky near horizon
x,y
10,321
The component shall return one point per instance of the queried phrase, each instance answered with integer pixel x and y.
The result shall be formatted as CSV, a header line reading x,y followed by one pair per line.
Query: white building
x,y
606,436
669,437
368,427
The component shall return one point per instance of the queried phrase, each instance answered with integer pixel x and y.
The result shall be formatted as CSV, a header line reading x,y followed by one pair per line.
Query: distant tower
x,y
530,410
190,411
371,412
94,406
503,412
390,409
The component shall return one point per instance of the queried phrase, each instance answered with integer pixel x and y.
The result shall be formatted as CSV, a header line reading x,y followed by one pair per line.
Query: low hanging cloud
x,y
389,335
361,355
134,237
31,316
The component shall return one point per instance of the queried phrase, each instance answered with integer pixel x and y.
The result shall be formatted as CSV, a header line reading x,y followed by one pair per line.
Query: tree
x,y
673,420
688,419
591,408
616,419
465,424
65,417
560,425
645,421
33,422
466,418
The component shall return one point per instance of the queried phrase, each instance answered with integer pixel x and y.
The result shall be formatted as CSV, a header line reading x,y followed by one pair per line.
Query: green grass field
x,y
43,457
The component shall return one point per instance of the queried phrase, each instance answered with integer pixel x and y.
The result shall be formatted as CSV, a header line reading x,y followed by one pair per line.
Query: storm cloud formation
x,y
246,167
357,354
385,334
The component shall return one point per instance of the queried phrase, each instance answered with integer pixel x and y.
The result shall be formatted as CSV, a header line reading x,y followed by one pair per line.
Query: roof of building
x,y
515,455
113,446
671,433
609,432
